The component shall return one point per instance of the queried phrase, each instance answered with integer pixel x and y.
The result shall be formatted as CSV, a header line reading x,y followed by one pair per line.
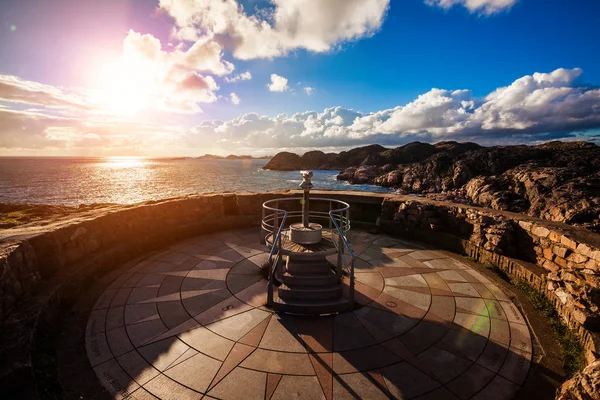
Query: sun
x,y
123,89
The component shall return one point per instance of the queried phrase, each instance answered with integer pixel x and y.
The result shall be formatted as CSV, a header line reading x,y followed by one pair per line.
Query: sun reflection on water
x,y
124,162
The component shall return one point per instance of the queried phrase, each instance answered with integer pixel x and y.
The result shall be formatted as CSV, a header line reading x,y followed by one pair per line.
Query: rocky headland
x,y
557,181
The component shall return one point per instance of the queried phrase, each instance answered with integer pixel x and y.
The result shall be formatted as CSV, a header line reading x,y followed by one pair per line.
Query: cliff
x,y
555,181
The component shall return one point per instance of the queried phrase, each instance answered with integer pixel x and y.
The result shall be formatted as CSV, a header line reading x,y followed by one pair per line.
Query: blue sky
x,y
367,64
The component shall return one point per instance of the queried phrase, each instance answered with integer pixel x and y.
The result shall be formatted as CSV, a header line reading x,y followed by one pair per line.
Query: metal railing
x,y
277,213
275,266
342,244
273,210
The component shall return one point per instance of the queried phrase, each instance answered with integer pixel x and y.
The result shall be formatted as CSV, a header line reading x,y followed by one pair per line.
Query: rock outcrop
x,y
585,385
286,161
557,181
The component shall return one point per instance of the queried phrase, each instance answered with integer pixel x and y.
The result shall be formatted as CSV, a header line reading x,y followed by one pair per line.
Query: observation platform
x,y
191,322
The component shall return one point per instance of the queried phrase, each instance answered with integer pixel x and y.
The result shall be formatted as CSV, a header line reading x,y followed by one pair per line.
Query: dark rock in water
x,y
365,174
347,174
557,181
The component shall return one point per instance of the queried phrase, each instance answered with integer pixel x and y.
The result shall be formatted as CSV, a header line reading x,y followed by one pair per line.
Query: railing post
x,y
352,281
275,219
270,290
340,255
279,263
263,233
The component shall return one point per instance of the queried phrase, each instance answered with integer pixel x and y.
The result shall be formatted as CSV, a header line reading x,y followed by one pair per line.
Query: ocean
x,y
74,181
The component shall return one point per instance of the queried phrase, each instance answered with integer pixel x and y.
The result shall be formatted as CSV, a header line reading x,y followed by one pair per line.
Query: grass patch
x,y
572,350
14,218
574,359
495,269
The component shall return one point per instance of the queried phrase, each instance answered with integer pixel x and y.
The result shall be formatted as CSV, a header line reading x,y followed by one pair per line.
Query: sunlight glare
x,y
124,88
124,162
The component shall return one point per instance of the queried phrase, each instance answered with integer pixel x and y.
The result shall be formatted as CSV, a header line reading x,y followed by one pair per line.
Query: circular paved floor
x,y
190,323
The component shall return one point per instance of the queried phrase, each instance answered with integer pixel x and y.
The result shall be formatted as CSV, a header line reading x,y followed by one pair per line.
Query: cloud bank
x,y
540,106
16,90
534,107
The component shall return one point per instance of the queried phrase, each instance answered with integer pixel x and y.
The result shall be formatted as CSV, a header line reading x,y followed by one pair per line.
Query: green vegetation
x,y
574,359
14,218
572,349
495,269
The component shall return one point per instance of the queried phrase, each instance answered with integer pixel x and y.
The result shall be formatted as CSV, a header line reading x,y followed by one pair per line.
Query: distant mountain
x,y
558,181
233,157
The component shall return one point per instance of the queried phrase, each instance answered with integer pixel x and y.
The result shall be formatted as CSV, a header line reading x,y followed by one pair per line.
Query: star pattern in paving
x,y
190,322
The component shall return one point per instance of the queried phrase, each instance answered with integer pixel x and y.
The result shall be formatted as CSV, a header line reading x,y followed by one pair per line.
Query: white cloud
x,y
314,25
16,90
309,90
175,81
234,98
179,77
536,107
486,7
41,132
244,76
278,83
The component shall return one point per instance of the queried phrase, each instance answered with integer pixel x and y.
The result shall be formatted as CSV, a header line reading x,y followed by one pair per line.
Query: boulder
x,y
585,385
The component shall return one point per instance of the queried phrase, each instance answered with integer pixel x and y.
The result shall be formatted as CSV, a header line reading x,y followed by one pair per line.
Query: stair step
x,y
308,266
312,307
309,279
302,292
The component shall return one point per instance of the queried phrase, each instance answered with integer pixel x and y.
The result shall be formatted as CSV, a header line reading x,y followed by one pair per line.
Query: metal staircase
x,y
301,278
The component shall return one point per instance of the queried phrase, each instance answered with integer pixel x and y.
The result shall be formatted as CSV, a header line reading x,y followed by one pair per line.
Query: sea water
x,y
74,181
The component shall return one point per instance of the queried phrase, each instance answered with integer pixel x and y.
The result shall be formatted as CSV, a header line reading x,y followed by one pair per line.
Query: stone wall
x,y
18,274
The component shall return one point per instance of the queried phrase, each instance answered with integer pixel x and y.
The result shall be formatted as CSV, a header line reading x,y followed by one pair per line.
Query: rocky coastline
x,y
556,181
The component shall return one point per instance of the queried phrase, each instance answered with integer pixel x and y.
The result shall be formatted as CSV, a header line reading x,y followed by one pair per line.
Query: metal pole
x,y
275,219
305,208
306,185
352,281
340,257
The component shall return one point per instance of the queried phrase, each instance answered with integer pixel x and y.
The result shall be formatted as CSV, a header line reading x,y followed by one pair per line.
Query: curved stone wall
x,y
36,266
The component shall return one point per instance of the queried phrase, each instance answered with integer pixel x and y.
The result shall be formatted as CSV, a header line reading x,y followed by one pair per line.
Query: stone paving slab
x,y
190,323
